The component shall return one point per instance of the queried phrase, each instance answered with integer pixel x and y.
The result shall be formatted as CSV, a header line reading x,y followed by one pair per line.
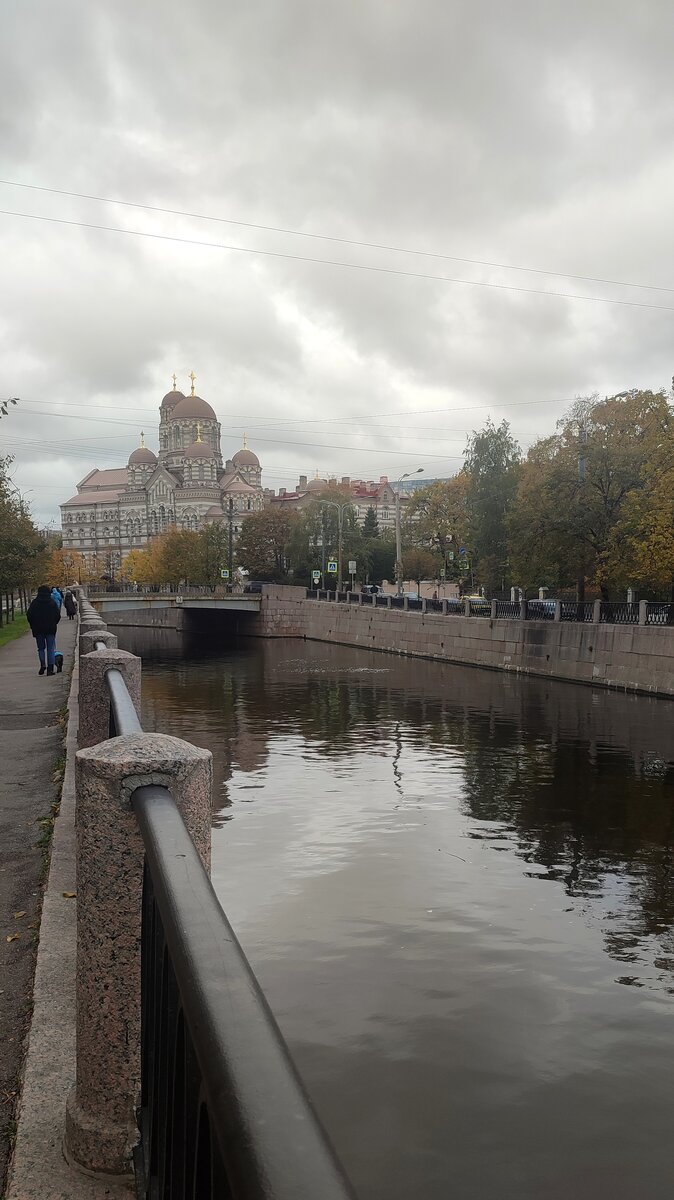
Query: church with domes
x,y
185,485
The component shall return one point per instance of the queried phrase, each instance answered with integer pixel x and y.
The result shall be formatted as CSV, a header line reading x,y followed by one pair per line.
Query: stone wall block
x,y
101,1128
89,638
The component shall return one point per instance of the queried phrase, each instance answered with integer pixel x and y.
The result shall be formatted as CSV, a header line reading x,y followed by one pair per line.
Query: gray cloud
x,y
524,133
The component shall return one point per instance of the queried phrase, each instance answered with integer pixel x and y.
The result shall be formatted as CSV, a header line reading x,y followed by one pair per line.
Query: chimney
x,y
383,478
333,481
370,485
281,491
302,487
345,481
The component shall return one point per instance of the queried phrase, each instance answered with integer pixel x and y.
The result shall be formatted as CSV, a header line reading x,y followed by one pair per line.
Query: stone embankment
x,y
627,657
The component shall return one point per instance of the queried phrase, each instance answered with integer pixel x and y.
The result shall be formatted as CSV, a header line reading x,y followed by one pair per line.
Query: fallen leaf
x,y
12,937
19,914
70,895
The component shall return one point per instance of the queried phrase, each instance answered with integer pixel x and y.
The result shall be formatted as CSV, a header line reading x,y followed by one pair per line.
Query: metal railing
x,y
584,611
223,1112
620,613
508,608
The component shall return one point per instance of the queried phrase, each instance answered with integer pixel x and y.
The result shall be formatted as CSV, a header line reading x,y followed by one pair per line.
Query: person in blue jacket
x,y
57,597
44,615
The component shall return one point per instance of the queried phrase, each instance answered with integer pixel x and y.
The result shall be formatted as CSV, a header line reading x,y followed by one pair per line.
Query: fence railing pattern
x,y
223,1113
649,612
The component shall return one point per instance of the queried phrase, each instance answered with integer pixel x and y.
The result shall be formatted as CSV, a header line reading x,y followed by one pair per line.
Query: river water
x,y
456,890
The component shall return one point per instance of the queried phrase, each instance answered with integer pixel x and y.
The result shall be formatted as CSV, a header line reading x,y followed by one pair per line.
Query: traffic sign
x,y
332,568
450,556
316,576
462,549
352,566
224,574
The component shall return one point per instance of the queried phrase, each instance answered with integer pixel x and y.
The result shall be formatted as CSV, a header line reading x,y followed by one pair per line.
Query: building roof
x,y
115,477
192,406
238,486
103,497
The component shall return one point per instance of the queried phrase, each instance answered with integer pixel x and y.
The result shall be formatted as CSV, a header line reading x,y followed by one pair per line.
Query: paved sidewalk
x,y
31,743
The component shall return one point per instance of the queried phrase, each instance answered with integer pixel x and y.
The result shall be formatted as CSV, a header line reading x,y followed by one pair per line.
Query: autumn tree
x,y
420,564
22,549
438,516
66,565
567,519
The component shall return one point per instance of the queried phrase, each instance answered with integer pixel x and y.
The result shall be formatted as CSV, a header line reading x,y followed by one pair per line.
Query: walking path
x,y
31,745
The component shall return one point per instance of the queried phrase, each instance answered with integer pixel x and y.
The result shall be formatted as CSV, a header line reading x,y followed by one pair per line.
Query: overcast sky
x,y
533,134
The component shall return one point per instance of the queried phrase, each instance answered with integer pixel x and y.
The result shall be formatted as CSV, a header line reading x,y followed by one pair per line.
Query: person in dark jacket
x,y
70,605
43,617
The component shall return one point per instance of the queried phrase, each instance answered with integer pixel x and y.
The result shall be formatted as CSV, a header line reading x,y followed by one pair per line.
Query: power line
x,y
329,262
325,237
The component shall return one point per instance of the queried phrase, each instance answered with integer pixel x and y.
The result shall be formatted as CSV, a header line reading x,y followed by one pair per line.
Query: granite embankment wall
x,y
145,618
626,657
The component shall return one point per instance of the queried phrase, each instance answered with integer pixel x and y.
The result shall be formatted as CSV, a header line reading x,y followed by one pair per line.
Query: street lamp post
x,y
230,512
399,547
340,523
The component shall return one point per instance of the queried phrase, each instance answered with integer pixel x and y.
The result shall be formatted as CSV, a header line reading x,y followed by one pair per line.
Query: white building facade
x,y
186,486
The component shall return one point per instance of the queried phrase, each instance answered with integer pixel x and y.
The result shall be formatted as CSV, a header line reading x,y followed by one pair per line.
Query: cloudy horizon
x,y
536,136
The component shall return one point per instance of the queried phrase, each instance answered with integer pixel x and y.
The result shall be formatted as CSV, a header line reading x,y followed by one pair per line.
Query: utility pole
x,y
230,563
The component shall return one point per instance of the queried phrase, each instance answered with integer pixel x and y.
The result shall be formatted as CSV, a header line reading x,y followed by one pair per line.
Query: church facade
x,y
185,485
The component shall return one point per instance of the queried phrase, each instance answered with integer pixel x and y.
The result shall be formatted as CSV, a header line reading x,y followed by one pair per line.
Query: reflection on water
x,y
456,889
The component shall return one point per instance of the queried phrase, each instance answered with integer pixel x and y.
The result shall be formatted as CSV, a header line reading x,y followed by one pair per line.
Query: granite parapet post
x,y
101,1128
89,638
94,695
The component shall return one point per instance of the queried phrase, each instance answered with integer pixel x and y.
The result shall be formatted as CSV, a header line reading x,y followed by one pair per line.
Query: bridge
x,y
198,601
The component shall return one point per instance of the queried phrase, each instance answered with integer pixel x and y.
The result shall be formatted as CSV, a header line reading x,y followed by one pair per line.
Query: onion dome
x,y
171,399
142,455
199,449
245,457
317,485
192,406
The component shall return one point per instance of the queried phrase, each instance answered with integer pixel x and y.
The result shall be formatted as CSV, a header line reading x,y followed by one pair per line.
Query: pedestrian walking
x,y
70,604
57,597
44,615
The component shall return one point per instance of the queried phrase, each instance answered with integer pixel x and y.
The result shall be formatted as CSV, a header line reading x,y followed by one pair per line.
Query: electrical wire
x,y
325,237
329,262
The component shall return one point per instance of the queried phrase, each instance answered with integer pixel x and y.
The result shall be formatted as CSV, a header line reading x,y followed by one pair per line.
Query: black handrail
x,y
223,1110
123,715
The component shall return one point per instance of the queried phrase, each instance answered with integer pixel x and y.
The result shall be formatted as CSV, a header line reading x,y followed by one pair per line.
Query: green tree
x,y
492,460
263,548
371,524
22,549
214,554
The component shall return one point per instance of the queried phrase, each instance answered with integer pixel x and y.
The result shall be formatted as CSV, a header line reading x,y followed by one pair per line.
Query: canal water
x,y
456,889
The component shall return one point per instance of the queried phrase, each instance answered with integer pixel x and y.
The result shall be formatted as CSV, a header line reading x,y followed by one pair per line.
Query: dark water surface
x,y
456,890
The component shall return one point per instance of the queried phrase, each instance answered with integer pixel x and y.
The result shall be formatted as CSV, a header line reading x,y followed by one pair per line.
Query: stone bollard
x,y
466,606
558,611
94,725
596,613
89,638
523,609
406,603
445,607
360,599
101,1128
493,610
643,612
388,601
424,604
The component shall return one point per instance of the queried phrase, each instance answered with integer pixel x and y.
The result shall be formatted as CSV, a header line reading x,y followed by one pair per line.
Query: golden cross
x,y
244,440
175,381
192,376
142,439
198,431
